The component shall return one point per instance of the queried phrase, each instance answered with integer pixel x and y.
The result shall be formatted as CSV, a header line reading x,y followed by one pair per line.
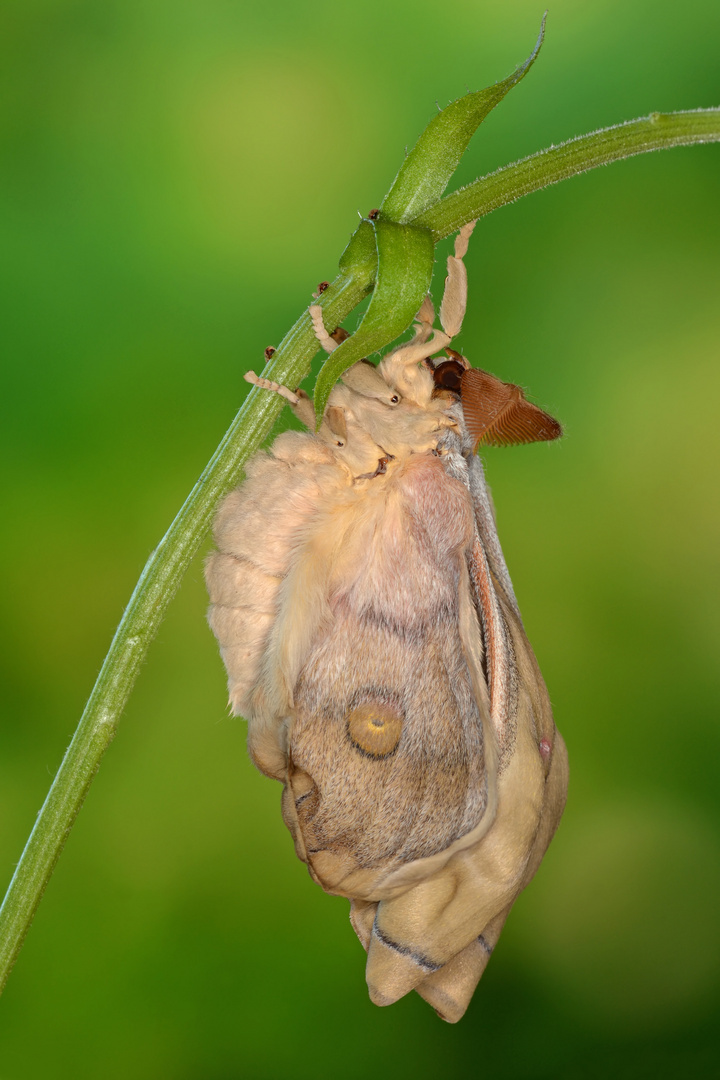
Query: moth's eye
x,y
394,399
375,728
339,442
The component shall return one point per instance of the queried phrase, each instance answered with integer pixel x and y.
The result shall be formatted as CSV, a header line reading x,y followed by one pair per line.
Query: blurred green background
x,y
176,179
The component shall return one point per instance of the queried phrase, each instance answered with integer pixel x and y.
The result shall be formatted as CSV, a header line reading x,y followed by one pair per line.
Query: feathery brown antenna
x,y
498,413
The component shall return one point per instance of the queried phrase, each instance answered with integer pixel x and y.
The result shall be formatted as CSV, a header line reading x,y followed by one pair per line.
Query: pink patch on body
x,y
440,504
545,748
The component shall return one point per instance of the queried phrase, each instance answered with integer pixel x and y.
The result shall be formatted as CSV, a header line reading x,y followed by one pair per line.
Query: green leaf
x,y
430,164
405,261
362,249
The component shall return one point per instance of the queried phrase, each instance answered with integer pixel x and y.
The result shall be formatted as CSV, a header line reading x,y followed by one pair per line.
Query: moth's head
x,y
429,405
448,374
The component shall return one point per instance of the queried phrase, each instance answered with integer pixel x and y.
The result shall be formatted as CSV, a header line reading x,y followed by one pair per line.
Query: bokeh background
x,y
177,176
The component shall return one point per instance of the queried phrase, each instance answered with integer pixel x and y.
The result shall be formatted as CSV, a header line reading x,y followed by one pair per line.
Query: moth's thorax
x,y
439,505
430,497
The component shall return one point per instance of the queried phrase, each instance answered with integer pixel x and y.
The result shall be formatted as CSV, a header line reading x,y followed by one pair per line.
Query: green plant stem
x,y
290,364
659,131
157,585
145,611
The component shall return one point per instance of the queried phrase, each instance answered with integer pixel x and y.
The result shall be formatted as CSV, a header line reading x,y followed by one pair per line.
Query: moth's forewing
x,y
388,721
437,936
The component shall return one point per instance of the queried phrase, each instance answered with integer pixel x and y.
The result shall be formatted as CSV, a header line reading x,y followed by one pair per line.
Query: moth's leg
x,y
452,311
326,340
424,320
300,403
275,388
404,359
462,239
454,302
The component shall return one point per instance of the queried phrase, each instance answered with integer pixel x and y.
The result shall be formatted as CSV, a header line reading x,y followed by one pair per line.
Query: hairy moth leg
x,y
299,401
327,341
454,301
424,320
399,368
268,384
354,448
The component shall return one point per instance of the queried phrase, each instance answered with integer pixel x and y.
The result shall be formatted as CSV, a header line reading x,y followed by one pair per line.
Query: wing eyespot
x,y
375,728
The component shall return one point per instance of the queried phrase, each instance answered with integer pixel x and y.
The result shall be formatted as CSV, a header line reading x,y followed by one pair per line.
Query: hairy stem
x,y
146,609
659,131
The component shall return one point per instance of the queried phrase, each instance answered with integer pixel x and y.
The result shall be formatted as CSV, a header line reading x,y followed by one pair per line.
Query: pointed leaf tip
x,y
429,166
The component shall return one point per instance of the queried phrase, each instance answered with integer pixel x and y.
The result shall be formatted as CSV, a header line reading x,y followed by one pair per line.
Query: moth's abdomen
x,y
241,617
254,530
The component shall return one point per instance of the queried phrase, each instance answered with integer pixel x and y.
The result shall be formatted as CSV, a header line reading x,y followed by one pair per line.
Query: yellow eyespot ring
x,y
375,728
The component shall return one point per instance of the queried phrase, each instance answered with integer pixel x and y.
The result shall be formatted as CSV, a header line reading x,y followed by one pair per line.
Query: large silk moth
x,y
374,644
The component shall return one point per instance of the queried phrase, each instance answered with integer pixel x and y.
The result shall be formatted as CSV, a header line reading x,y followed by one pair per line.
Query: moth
x,y
373,642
